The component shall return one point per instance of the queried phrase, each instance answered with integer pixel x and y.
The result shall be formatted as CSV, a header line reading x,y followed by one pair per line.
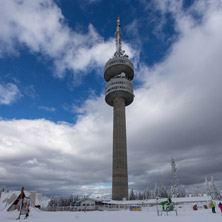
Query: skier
x,y
220,206
212,206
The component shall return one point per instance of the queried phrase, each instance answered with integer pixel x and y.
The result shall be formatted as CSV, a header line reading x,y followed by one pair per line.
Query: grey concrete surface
x,y
120,172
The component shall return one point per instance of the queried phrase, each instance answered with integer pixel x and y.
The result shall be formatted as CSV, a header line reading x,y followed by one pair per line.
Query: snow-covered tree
x,y
53,202
163,192
140,196
212,189
181,191
156,191
63,201
148,194
132,195
195,194
207,186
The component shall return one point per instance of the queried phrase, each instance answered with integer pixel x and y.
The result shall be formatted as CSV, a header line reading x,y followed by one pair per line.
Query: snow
x,y
184,208
185,214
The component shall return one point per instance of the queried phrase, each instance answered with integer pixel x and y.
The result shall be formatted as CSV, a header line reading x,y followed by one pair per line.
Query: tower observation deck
x,y
119,73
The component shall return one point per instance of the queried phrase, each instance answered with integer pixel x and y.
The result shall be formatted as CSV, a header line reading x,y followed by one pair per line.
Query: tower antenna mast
x,y
118,36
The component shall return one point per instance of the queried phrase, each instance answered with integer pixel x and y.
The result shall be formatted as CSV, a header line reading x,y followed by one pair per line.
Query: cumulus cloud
x,y
40,27
176,112
9,93
58,157
180,97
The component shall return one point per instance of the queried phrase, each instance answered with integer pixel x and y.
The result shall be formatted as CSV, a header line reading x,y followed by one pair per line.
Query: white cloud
x,y
9,93
40,26
179,102
49,109
42,150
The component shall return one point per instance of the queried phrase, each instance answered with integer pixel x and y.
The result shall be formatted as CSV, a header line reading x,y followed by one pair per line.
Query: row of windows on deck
x,y
119,87
89,204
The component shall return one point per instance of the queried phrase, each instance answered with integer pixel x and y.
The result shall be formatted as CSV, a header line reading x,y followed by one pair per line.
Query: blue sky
x,y
55,127
43,94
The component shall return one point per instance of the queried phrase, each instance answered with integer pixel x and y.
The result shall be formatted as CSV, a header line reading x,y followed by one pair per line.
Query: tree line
x,y
157,192
64,201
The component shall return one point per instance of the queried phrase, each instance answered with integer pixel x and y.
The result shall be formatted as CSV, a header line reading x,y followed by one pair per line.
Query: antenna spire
x,y
118,36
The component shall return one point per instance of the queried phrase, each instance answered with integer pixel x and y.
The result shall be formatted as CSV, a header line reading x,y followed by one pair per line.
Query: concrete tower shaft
x,y
119,73
120,172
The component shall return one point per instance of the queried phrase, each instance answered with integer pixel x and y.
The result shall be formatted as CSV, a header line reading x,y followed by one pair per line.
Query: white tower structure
x,y
119,73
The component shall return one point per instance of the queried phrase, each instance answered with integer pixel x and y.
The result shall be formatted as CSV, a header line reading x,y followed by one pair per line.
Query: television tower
x,y
119,73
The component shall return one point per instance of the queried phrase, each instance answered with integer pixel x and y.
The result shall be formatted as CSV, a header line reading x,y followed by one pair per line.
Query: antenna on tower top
x,y
118,21
118,36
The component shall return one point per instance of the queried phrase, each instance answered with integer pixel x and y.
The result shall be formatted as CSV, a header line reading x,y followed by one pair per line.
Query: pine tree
x,y
181,191
140,196
195,194
147,194
156,191
207,187
213,191
163,192
132,195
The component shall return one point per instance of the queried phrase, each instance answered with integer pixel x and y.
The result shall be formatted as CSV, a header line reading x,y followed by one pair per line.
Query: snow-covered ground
x,y
184,208
185,214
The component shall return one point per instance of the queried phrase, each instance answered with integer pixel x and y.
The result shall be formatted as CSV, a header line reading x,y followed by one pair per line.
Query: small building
x,y
88,204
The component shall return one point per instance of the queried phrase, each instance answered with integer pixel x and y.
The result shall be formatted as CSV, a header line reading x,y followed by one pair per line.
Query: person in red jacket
x,y
220,206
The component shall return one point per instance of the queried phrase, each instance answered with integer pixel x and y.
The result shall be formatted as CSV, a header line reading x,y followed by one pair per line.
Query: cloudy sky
x,y
55,127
